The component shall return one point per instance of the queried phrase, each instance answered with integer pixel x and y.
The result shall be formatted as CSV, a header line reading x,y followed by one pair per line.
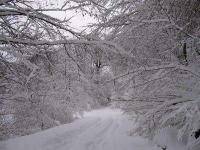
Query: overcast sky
x,y
78,21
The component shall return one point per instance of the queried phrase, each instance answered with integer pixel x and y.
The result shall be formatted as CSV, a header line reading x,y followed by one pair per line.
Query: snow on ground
x,y
167,137
103,129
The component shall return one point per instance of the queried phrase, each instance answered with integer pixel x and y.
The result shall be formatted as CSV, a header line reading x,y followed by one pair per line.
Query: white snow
x,y
103,129
167,137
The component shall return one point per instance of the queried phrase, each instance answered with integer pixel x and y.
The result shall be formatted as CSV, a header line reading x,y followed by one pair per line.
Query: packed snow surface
x,y
103,129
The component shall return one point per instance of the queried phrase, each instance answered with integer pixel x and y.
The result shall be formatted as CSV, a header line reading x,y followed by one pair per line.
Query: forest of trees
x,y
142,55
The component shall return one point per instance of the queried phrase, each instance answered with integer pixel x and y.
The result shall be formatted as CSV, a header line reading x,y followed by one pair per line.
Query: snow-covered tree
x,y
42,68
158,74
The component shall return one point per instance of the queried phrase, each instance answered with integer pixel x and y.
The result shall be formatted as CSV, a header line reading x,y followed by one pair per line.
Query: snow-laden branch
x,y
167,104
34,14
155,98
141,69
111,23
110,45
2,2
155,20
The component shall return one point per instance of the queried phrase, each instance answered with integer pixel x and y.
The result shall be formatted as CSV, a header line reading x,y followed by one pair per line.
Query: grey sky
x,y
78,21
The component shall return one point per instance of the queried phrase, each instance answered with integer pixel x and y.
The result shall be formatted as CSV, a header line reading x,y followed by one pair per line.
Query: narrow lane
x,y
103,129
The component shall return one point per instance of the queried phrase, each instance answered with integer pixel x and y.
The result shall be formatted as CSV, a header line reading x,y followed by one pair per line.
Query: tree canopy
x,y
142,55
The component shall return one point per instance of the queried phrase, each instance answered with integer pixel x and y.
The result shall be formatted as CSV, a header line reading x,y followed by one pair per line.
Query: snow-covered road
x,y
103,129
